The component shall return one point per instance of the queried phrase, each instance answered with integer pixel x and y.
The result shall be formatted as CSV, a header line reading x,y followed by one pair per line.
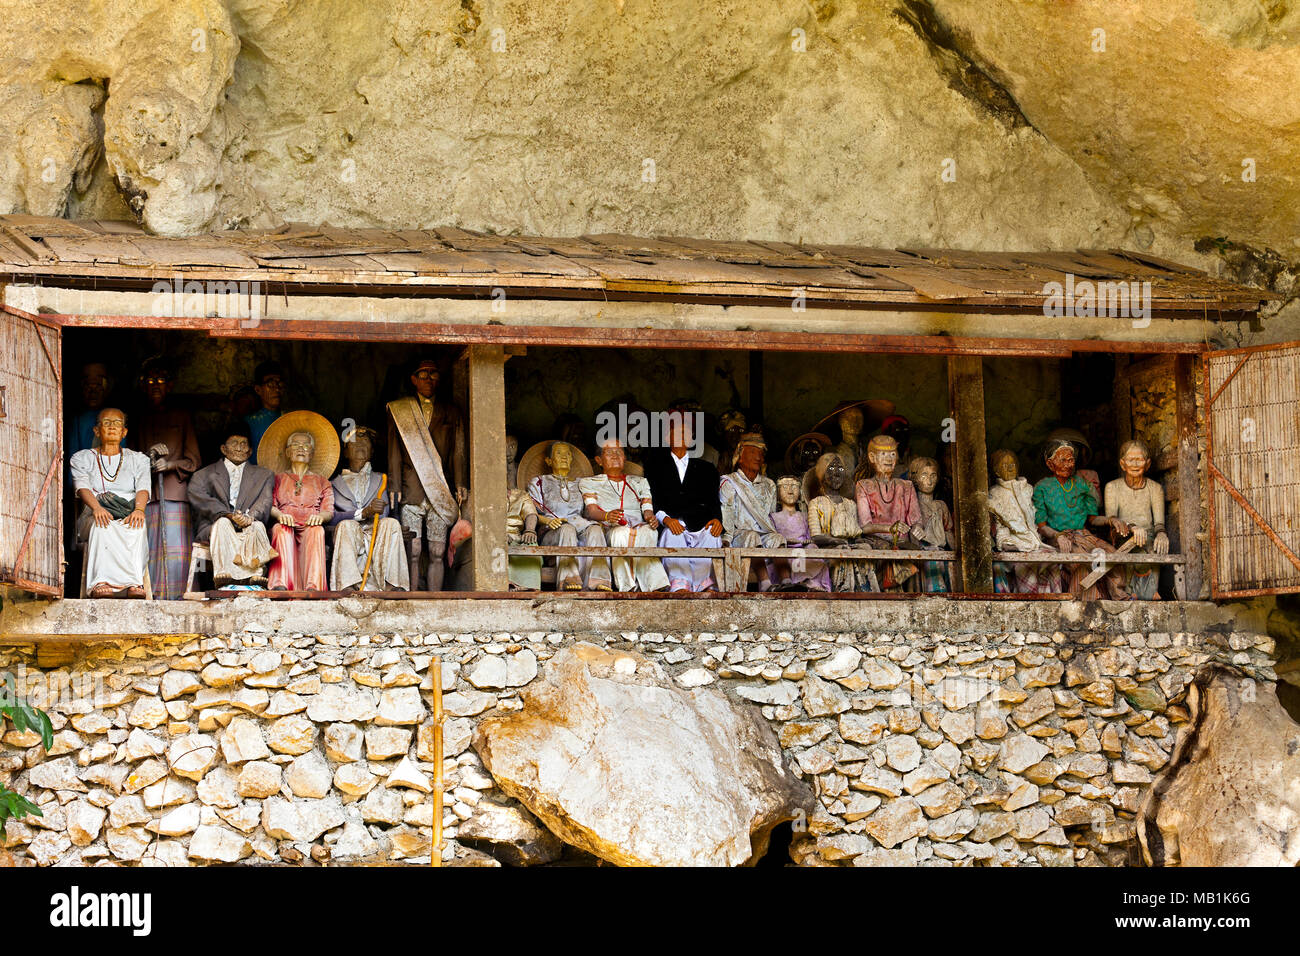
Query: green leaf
x,y
16,806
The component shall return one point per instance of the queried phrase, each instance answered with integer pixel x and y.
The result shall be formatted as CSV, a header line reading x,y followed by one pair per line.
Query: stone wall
x,y
1019,747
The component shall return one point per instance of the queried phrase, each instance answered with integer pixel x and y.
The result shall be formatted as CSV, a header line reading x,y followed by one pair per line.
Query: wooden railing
x,y
731,565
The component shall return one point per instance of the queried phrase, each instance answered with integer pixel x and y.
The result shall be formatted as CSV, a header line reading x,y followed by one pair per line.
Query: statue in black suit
x,y
231,504
685,492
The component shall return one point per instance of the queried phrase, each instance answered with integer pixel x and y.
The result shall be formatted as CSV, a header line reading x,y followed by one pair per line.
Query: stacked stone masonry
x,y
268,747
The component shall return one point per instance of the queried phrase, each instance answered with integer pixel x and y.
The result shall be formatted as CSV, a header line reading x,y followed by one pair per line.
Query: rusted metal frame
x,y
36,587
36,511
1227,381
1255,516
48,320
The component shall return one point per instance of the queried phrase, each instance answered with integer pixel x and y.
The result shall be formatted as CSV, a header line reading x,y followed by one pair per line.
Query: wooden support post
x,y
973,573
487,465
1189,480
435,843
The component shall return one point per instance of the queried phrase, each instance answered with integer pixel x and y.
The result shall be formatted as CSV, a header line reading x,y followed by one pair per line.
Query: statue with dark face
x,y
833,522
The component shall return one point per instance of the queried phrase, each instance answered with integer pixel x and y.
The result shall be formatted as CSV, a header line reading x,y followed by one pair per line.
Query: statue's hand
x,y
1139,535
462,495
528,537
314,520
714,527
101,516
650,520
552,522
161,464
674,525
1161,544
135,519
241,520
287,521
159,450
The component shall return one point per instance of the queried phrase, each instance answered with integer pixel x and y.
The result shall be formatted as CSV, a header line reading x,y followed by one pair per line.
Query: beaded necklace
x,y
109,479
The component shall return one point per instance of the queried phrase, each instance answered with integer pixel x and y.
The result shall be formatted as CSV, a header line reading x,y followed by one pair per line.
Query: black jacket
x,y
694,501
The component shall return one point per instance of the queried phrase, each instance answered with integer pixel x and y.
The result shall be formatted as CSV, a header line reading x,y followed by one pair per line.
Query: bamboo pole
x,y
435,845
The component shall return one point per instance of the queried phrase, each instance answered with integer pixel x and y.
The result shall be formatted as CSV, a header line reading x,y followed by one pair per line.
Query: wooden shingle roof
x,y
458,262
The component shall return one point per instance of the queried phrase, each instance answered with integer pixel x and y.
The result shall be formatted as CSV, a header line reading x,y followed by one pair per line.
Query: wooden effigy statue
x,y
1136,507
369,554
231,504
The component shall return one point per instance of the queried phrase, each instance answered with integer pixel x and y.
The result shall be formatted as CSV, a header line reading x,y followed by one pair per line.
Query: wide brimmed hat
x,y
874,411
534,462
820,438
271,453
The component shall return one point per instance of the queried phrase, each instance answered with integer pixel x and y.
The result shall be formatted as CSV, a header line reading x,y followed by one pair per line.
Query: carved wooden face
x,y
850,422
884,460
358,450
561,459
925,478
95,384
237,449
788,492
1006,467
1134,463
834,479
425,380
612,459
299,447
110,427
270,390
751,459
1061,464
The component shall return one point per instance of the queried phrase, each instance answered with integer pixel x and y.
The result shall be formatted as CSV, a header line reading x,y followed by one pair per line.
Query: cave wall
x,y
1173,129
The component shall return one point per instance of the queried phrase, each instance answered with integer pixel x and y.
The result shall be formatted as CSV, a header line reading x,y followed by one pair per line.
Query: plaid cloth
x,y
933,577
1003,581
171,537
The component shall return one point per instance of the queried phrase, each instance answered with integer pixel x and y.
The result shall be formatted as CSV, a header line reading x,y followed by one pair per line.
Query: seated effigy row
x,y
142,512
265,523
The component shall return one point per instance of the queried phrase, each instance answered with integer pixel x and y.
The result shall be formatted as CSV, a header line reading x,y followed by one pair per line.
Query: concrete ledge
x,y
76,621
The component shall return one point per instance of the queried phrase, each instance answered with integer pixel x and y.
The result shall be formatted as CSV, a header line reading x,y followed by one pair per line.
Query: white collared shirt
x,y
681,464
236,473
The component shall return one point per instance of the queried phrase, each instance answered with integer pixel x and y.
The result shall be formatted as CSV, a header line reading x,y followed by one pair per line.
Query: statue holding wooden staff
x,y
368,551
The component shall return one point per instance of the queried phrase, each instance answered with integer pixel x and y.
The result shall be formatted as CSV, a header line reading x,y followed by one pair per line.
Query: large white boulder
x,y
614,758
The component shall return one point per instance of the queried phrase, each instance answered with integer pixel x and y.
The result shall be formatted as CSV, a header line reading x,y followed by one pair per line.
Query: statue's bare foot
x,y
571,583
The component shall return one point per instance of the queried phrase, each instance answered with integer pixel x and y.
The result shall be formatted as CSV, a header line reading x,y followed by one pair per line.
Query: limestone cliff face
x,y
827,120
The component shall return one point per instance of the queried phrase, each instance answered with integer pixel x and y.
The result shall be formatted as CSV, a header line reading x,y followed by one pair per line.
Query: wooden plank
x,y
932,284
970,479
168,252
487,465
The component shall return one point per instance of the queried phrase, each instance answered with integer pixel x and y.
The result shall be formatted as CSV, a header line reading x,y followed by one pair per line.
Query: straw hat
x,y
270,450
874,411
534,462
